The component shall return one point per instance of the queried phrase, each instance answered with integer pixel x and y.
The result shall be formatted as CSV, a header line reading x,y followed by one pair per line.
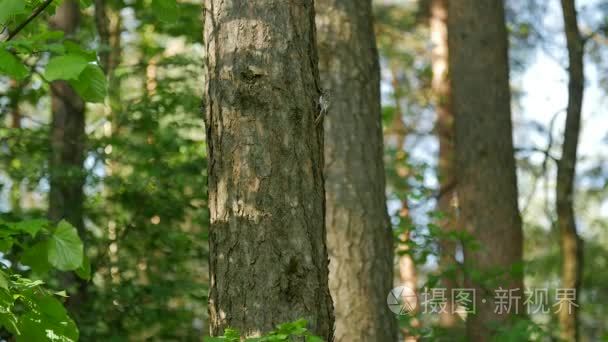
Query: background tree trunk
x,y
359,237
487,186
571,244
268,260
67,135
67,176
446,168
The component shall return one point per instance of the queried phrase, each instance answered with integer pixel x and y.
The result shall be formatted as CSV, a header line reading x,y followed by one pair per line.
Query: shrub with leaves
x,y
29,310
292,331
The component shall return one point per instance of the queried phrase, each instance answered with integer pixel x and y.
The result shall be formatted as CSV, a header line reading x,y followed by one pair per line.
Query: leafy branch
x,y
32,16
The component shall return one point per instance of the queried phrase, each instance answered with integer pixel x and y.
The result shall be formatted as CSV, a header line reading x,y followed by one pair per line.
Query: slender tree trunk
x,y
268,260
67,136
487,185
571,244
446,168
67,152
359,238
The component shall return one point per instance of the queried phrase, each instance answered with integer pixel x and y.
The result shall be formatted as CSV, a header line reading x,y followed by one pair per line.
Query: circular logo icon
x,y
402,300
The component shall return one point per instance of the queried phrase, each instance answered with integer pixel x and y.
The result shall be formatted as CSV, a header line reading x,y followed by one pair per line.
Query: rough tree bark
x,y
68,136
446,169
359,238
487,186
571,244
268,260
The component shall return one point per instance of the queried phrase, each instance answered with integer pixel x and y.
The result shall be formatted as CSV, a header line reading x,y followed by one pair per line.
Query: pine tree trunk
x,y
359,238
268,260
446,168
68,136
487,186
571,244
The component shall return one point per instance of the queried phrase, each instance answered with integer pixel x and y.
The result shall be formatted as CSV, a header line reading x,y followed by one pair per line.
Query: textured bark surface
x,y
359,238
487,187
446,168
571,244
67,136
269,262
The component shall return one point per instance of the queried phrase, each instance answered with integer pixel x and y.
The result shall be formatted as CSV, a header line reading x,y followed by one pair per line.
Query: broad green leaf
x,y
65,249
51,307
40,326
11,66
165,10
67,67
36,258
91,84
3,280
10,8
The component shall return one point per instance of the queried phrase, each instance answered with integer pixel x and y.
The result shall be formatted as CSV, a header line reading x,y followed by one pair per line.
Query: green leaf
x,y
6,243
11,66
67,67
72,48
10,8
165,10
91,85
84,271
3,280
49,322
36,258
31,227
65,249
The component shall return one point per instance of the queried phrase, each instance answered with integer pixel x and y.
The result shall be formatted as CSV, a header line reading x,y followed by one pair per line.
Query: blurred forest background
x,y
141,163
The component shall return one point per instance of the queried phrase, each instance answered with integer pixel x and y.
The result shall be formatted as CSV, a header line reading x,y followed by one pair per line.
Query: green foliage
x,y
65,249
283,332
166,10
9,9
66,67
28,310
11,66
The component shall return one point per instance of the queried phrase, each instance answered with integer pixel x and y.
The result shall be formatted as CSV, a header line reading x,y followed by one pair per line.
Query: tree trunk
x,y
446,168
571,244
487,186
268,260
359,237
68,136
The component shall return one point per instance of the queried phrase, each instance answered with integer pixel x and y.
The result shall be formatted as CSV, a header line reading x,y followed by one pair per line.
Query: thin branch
x,y
29,19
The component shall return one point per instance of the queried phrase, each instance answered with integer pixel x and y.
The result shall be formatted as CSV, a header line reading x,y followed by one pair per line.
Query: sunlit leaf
x,y
67,67
11,66
91,84
65,249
